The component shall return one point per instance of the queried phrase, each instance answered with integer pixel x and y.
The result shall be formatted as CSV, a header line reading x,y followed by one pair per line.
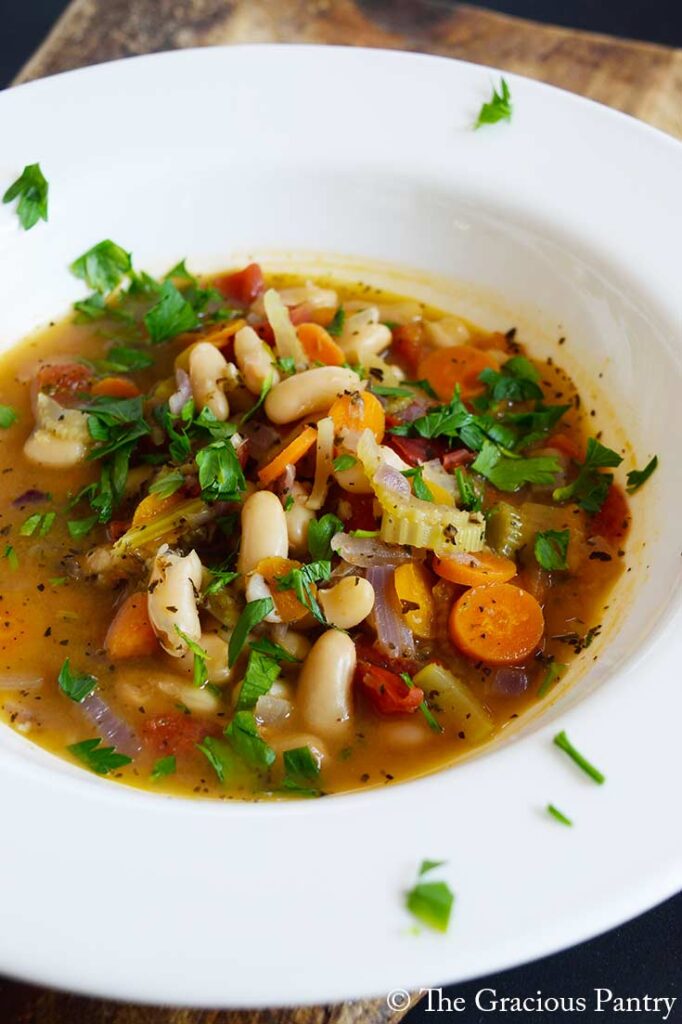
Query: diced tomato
x,y
242,286
362,512
116,529
415,450
613,520
176,733
65,382
459,457
389,694
369,655
566,445
407,347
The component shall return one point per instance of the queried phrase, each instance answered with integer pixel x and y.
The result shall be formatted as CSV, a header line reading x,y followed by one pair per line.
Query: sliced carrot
x,y
445,368
357,412
319,346
153,506
288,456
287,605
130,634
499,624
220,338
475,569
413,586
115,387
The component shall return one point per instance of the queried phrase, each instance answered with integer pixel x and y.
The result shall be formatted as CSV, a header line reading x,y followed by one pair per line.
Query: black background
x,y
644,956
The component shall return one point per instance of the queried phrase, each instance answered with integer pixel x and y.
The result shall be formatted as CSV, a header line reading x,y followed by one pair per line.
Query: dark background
x,y
645,955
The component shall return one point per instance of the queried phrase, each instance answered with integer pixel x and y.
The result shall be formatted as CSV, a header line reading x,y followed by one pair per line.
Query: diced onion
x,y
182,394
17,681
368,551
394,637
323,463
286,339
112,728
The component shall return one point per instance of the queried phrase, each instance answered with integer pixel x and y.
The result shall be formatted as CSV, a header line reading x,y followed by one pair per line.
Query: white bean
x,y
264,530
172,599
298,520
311,294
295,643
325,685
363,336
207,369
257,589
61,436
291,741
447,332
348,603
216,659
309,392
254,360
199,701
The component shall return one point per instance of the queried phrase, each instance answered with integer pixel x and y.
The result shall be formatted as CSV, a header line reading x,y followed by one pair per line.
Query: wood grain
x,y
639,78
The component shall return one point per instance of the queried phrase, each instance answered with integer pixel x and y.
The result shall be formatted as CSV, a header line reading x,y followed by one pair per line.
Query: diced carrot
x,y
357,412
445,368
115,387
288,456
408,346
473,569
613,519
221,338
63,381
319,346
242,285
499,624
153,506
287,605
130,634
413,585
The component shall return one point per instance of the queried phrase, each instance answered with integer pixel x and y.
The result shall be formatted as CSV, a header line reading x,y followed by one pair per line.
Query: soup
x,y
269,537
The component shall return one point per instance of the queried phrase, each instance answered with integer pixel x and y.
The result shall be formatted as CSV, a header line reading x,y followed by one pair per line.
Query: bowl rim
x,y
46,963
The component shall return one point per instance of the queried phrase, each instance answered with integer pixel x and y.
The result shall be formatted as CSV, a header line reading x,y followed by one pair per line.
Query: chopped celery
x,y
504,531
188,515
461,710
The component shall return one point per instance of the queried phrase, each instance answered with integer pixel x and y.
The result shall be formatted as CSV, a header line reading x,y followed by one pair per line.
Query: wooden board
x,y
638,78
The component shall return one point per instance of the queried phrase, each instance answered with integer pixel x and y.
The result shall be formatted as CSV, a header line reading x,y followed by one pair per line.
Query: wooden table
x,y
639,78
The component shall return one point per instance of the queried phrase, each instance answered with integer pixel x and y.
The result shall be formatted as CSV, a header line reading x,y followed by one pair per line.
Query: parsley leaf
x,y
80,527
8,416
101,760
103,266
221,477
31,189
534,425
221,579
551,548
171,315
91,308
562,741
391,392
320,533
167,484
164,766
552,675
265,388
431,903
498,108
200,657
510,474
637,477
335,328
300,579
246,741
254,612
121,358
426,711
266,646
300,763
76,685
590,487
469,498
115,423
287,364
342,462
219,755
419,485
261,673
430,865
12,557
516,381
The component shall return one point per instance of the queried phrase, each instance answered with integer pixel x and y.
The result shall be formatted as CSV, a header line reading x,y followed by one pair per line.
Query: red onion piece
x,y
285,482
31,497
261,437
392,479
394,637
511,682
460,457
368,552
113,729
183,394
19,681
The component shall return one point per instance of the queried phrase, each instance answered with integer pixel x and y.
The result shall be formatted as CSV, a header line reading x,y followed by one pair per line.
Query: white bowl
x,y
565,222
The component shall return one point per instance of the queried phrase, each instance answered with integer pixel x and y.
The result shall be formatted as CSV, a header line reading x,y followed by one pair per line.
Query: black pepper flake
x,y
48,631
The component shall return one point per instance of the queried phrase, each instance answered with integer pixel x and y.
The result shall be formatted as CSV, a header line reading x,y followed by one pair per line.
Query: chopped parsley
x,y
300,580
103,267
221,579
97,758
637,477
335,328
469,498
558,815
419,485
200,676
431,903
40,522
267,385
498,108
516,381
551,548
167,484
76,685
12,557
31,189
320,533
287,364
266,646
115,423
8,416
261,672
562,741
219,755
163,767
171,315
430,865
122,359
343,462
591,486
510,474
423,707
300,763
221,477
254,612
550,678
80,527
242,733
